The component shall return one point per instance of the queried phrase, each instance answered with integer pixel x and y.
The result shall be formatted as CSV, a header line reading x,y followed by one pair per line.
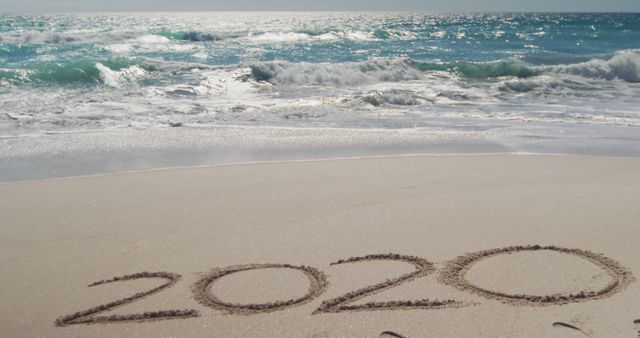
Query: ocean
x,y
123,91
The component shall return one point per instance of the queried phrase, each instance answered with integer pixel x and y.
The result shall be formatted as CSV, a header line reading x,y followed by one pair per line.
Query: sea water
x,y
404,82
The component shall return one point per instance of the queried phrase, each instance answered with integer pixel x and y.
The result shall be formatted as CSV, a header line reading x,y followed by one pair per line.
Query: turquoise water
x,y
205,64
535,40
491,74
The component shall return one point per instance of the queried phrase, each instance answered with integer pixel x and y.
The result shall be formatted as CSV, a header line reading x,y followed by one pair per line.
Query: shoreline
x,y
81,154
311,159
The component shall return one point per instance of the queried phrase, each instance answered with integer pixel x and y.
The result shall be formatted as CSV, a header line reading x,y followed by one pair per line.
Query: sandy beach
x,y
415,246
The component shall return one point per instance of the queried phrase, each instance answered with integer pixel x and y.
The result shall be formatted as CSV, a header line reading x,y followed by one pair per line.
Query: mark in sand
x,y
454,275
569,326
390,334
89,316
422,268
202,289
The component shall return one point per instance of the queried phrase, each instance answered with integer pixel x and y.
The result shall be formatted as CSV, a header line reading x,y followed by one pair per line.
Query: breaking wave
x,y
50,37
111,72
341,74
483,70
313,36
281,36
201,36
624,65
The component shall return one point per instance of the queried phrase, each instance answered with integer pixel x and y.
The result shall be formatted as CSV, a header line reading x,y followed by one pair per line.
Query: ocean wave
x,y
150,43
624,65
483,70
121,77
288,37
375,34
393,98
381,70
274,37
332,74
36,37
521,86
514,75
196,36
306,36
393,34
299,35
53,38
111,72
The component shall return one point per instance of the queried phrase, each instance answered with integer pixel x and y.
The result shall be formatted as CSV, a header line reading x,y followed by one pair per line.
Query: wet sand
x,y
416,246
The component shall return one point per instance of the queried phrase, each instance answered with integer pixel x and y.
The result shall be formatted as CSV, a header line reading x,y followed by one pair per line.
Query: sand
x,y
414,246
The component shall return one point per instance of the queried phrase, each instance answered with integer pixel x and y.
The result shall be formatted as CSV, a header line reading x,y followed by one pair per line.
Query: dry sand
x,y
425,246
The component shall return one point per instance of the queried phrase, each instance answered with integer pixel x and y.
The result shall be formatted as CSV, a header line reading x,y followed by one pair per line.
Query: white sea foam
x,y
35,37
438,34
279,37
68,37
359,36
345,74
624,65
291,37
120,77
150,43
152,38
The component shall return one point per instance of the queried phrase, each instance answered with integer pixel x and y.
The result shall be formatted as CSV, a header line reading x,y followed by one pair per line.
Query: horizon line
x,y
323,11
